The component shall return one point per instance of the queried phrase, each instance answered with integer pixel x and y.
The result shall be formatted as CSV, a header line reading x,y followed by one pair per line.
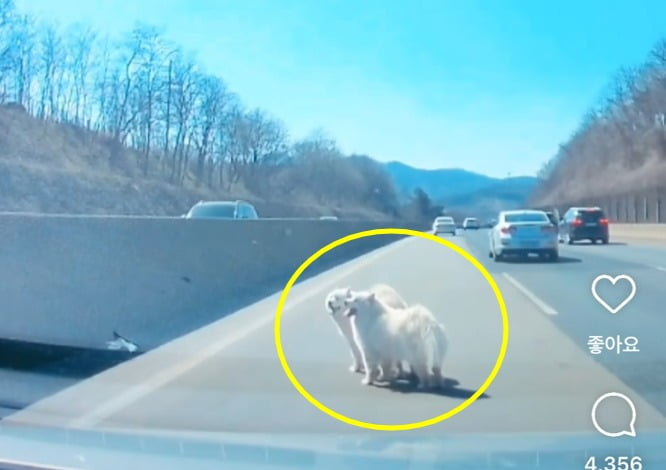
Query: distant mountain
x,y
461,189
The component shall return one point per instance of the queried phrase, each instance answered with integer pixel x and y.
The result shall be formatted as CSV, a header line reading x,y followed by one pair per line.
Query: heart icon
x,y
613,281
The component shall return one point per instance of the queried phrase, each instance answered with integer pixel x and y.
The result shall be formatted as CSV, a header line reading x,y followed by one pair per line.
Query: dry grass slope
x,y
618,153
59,168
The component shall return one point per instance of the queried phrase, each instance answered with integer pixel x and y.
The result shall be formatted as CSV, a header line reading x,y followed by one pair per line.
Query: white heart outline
x,y
613,281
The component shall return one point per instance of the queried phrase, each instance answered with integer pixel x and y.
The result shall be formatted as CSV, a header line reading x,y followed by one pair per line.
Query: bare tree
x,y
151,100
167,90
51,58
235,144
25,68
624,134
212,103
266,136
7,43
377,190
81,42
225,145
101,112
152,55
184,98
123,81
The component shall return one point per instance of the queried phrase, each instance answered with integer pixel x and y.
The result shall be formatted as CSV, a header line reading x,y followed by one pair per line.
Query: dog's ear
x,y
348,292
371,296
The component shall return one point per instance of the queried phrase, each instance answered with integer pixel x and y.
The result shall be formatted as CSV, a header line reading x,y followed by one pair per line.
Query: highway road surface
x,y
226,377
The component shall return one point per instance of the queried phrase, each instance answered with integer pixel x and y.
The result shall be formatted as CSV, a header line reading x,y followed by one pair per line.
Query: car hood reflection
x,y
77,449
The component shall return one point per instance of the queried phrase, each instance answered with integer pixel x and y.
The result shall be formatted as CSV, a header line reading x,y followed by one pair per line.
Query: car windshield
x,y
526,217
169,176
591,215
225,211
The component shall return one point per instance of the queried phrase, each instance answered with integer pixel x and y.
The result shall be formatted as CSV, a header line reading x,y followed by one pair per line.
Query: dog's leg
x,y
354,349
357,357
408,374
396,370
370,365
370,373
443,381
436,379
386,372
422,375
357,364
399,371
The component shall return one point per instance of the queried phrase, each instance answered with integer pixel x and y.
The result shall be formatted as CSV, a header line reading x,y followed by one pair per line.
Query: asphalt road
x,y
226,377
565,289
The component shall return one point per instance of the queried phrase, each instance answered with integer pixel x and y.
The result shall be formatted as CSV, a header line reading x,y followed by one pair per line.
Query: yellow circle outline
x,y
391,427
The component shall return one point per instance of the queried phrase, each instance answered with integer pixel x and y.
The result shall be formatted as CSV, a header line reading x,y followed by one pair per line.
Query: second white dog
x,y
335,305
386,335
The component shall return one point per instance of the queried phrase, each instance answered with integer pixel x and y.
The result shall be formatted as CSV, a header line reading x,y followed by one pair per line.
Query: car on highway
x,y
583,223
490,223
471,223
222,210
521,233
554,216
552,213
328,217
444,224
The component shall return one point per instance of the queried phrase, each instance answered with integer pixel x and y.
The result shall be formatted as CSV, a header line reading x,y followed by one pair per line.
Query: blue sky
x,y
492,87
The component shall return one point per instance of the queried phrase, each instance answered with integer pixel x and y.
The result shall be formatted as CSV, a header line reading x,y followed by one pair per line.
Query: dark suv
x,y
584,223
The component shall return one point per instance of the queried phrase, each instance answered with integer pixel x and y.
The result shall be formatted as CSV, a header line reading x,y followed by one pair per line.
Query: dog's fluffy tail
x,y
442,342
436,344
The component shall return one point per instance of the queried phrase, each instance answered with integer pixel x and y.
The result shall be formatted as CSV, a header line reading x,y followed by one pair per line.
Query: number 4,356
x,y
615,463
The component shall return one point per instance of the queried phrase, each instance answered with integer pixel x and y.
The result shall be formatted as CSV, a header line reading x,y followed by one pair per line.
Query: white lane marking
x,y
152,383
661,268
547,309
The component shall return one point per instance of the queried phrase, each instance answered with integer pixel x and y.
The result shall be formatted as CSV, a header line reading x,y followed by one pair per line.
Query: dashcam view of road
x,y
166,170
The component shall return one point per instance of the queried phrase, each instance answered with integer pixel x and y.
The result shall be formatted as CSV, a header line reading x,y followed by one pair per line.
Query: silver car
x,y
222,210
471,223
521,233
444,224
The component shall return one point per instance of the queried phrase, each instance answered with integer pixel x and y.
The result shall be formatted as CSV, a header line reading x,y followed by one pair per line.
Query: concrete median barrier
x,y
73,280
654,233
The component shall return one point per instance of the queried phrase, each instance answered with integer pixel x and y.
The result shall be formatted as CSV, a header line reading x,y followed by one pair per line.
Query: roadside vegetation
x,y
620,145
136,125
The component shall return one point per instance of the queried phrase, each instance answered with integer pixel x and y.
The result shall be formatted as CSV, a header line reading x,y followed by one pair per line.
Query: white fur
x,y
336,305
386,335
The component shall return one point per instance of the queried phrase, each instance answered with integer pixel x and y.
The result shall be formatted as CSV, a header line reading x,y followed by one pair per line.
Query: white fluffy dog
x,y
336,306
386,335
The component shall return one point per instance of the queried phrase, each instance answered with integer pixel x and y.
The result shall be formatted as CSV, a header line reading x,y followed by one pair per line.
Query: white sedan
x,y
523,232
444,225
471,223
